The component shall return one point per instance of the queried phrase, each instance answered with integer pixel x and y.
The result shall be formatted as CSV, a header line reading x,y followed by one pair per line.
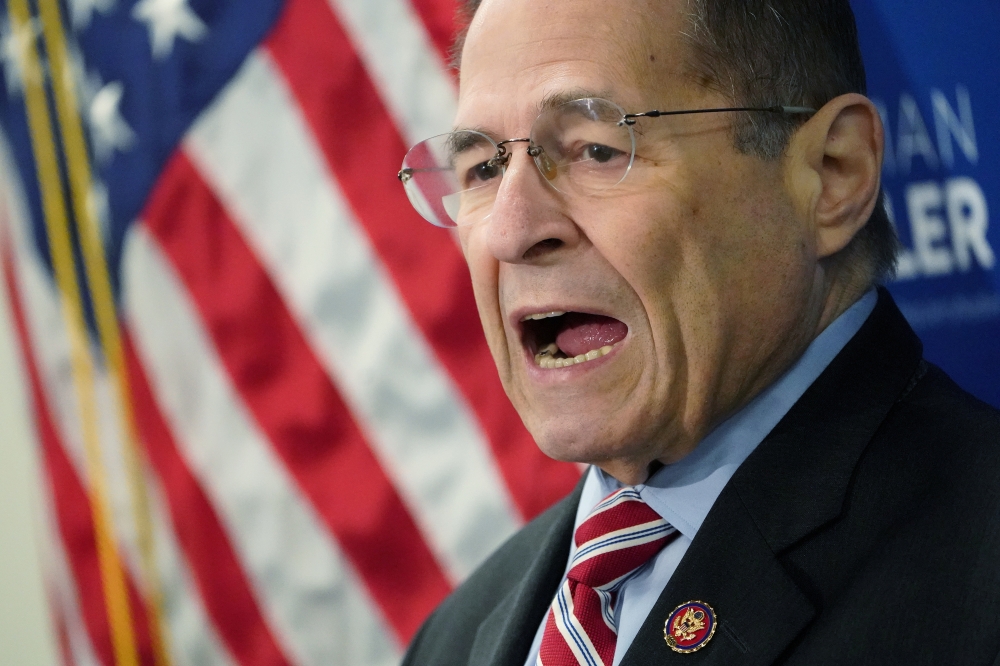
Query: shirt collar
x,y
683,493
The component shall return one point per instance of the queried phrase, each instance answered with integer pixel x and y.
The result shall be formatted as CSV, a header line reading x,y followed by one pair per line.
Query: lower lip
x,y
541,374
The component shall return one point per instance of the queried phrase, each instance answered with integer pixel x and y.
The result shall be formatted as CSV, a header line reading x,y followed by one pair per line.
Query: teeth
x,y
550,350
546,357
544,315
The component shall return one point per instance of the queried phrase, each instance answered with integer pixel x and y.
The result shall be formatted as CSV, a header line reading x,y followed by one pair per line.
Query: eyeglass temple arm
x,y
406,173
629,118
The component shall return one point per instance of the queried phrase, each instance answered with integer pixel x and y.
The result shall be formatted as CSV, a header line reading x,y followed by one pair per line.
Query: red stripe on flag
x,y
440,21
224,588
292,398
72,507
364,150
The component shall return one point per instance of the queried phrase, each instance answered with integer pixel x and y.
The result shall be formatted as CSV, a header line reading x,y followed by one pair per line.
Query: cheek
x,y
483,270
767,248
704,247
747,267
740,227
483,266
659,243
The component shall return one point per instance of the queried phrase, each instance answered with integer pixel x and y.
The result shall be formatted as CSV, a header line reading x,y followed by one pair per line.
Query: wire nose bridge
x,y
545,165
503,155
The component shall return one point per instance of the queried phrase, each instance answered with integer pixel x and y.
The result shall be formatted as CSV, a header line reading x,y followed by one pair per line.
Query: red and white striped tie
x,y
620,535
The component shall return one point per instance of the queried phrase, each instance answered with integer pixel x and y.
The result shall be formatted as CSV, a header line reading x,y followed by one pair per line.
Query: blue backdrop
x,y
933,70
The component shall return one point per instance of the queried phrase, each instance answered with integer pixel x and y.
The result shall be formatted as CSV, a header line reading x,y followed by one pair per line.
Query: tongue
x,y
586,332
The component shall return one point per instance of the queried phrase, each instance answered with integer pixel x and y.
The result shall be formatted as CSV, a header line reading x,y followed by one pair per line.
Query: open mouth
x,y
561,339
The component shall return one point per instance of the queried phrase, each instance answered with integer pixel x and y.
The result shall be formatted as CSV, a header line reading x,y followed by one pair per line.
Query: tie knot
x,y
620,535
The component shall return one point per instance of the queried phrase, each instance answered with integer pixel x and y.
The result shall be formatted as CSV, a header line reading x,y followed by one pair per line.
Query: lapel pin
x,y
690,627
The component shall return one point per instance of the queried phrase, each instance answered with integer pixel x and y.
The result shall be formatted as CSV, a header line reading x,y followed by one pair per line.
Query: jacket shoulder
x,y
959,432
938,454
920,532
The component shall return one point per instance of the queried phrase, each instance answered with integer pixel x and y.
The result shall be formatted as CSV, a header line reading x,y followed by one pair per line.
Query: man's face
x,y
693,270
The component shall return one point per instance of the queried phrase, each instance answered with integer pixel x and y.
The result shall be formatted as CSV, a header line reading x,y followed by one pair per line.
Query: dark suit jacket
x,y
865,529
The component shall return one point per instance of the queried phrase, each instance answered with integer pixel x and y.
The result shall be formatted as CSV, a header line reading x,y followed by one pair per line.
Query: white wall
x,y
26,637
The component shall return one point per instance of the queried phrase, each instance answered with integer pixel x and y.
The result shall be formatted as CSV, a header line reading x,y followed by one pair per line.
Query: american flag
x,y
270,428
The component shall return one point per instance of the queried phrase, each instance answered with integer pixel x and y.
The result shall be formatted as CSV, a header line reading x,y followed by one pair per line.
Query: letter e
x,y
969,219
923,203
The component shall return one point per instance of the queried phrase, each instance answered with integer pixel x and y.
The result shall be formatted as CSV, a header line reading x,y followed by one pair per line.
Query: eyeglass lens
x,y
579,147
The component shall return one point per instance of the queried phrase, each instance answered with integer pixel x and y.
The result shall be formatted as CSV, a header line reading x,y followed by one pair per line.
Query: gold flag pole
x,y
98,278
64,266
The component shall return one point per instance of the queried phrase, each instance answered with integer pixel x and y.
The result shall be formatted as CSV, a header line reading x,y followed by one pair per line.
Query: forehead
x,y
520,53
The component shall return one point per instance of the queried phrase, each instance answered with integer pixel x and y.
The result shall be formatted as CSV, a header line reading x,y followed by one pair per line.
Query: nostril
x,y
543,247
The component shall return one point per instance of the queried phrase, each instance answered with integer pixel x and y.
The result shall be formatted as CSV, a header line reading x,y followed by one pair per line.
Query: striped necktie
x,y
620,535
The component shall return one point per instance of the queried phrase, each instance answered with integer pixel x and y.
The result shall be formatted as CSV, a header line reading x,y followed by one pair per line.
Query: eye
x,y
601,154
482,173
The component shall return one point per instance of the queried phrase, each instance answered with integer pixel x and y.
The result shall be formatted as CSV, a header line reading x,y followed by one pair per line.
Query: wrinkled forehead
x,y
520,53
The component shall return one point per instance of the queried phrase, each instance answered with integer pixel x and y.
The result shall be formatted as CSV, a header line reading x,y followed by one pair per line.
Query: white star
x,y
82,11
16,42
168,19
108,130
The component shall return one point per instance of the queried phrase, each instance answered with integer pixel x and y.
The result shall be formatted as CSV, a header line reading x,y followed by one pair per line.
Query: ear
x,y
833,170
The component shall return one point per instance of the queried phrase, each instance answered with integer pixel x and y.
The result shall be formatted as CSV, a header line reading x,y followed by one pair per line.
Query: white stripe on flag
x,y
254,149
305,587
404,65
193,636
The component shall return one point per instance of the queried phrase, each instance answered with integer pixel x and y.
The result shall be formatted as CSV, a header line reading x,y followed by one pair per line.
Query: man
x,y
686,302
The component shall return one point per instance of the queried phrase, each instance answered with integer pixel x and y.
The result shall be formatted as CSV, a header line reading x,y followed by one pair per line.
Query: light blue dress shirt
x,y
683,493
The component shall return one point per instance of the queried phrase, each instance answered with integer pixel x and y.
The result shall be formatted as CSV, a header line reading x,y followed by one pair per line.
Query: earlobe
x,y
849,130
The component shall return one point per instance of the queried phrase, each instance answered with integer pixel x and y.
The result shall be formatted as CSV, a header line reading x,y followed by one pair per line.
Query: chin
x,y
588,441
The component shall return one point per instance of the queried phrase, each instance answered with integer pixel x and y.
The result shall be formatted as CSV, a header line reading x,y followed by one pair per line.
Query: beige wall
x,y
26,637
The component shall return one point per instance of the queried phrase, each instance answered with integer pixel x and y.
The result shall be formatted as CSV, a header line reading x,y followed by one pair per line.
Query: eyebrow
x,y
553,100
550,101
461,142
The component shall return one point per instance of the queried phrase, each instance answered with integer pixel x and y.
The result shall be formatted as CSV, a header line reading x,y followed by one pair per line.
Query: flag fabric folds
x,y
270,427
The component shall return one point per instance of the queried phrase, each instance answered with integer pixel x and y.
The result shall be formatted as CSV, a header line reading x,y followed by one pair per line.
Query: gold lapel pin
x,y
690,627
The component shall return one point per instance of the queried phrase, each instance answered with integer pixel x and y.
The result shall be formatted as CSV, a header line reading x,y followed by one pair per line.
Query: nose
x,y
529,222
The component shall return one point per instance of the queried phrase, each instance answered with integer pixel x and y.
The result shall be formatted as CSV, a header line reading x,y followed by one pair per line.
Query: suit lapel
x,y
505,636
792,485
730,567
